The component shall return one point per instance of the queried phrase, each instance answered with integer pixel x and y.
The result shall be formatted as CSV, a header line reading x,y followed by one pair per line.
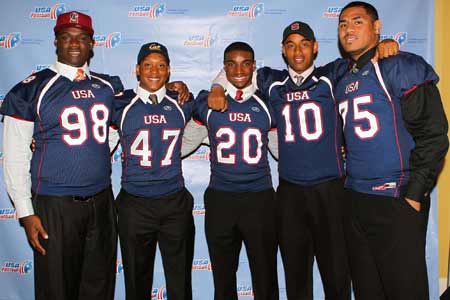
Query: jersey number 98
x,y
74,120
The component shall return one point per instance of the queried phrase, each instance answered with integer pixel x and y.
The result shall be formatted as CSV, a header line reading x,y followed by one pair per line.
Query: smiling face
x,y
239,66
358,32
73,46
299,52
153,72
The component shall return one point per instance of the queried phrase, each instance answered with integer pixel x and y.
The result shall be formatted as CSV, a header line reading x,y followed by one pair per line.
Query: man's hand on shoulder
x,y
181,88
216,99
386,48
33,228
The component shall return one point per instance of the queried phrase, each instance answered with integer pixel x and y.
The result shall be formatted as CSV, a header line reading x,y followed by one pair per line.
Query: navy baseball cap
x,y
74,19
299,28
150,48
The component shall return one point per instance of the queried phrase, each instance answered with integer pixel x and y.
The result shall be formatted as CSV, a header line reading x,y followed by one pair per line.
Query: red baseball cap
x,y
74,19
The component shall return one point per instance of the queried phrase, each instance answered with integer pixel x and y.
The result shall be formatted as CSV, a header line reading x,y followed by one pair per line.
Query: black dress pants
x,y
310,223
386,244
230,219
81,248
146,222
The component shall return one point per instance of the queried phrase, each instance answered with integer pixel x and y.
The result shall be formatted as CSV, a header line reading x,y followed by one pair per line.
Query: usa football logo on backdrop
x,y
7,213
400,37
11,40
159,294
111,40
332,12
202,153
46,12
244,291
119,267
151,11
117,156
202,264
40,67
200,40
198,209
250,11
21,268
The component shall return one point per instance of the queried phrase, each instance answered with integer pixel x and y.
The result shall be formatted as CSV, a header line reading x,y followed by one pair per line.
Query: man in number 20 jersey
x,y
239,201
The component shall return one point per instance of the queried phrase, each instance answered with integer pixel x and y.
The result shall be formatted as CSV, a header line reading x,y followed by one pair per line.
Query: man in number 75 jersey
x,y
396,135
65,201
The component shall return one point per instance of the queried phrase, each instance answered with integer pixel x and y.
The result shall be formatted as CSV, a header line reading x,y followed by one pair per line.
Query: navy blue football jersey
x,y
239,143
378,144
308,126
150,137
71,122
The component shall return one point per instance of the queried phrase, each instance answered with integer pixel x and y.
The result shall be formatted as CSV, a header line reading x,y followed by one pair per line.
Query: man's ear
x,y
377,26
315,48
137,70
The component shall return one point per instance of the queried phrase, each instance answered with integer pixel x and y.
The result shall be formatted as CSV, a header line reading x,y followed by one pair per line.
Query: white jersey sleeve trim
x,y
178,107
276,83
380,78
44,90
328,81
104,81
125,110
264,106
17,155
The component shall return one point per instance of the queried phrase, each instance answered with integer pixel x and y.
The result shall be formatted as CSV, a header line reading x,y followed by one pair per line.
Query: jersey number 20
x,y
230,136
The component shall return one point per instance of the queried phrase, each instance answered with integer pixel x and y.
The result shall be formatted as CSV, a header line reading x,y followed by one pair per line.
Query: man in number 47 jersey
x,y
62,191
396,135
239,201
154,207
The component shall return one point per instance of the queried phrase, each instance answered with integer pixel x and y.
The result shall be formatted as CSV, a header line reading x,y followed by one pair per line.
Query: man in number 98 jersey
x,y
62,191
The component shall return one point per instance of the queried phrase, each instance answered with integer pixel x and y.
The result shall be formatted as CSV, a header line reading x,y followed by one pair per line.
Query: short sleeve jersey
x,y
71,122
150,137
239,143
378,144
308,125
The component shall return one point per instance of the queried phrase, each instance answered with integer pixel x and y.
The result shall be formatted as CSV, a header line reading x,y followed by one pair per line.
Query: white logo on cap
x,y
74,17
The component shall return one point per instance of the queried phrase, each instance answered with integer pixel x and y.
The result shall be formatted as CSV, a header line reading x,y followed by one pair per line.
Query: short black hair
x,y
239,46
370,9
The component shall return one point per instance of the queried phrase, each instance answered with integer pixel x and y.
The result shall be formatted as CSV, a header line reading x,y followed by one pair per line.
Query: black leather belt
x,y
86,198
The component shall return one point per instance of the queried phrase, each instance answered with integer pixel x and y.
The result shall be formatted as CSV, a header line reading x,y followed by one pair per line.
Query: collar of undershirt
x,y
364,59
69,71
305,74
144,94
246,92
